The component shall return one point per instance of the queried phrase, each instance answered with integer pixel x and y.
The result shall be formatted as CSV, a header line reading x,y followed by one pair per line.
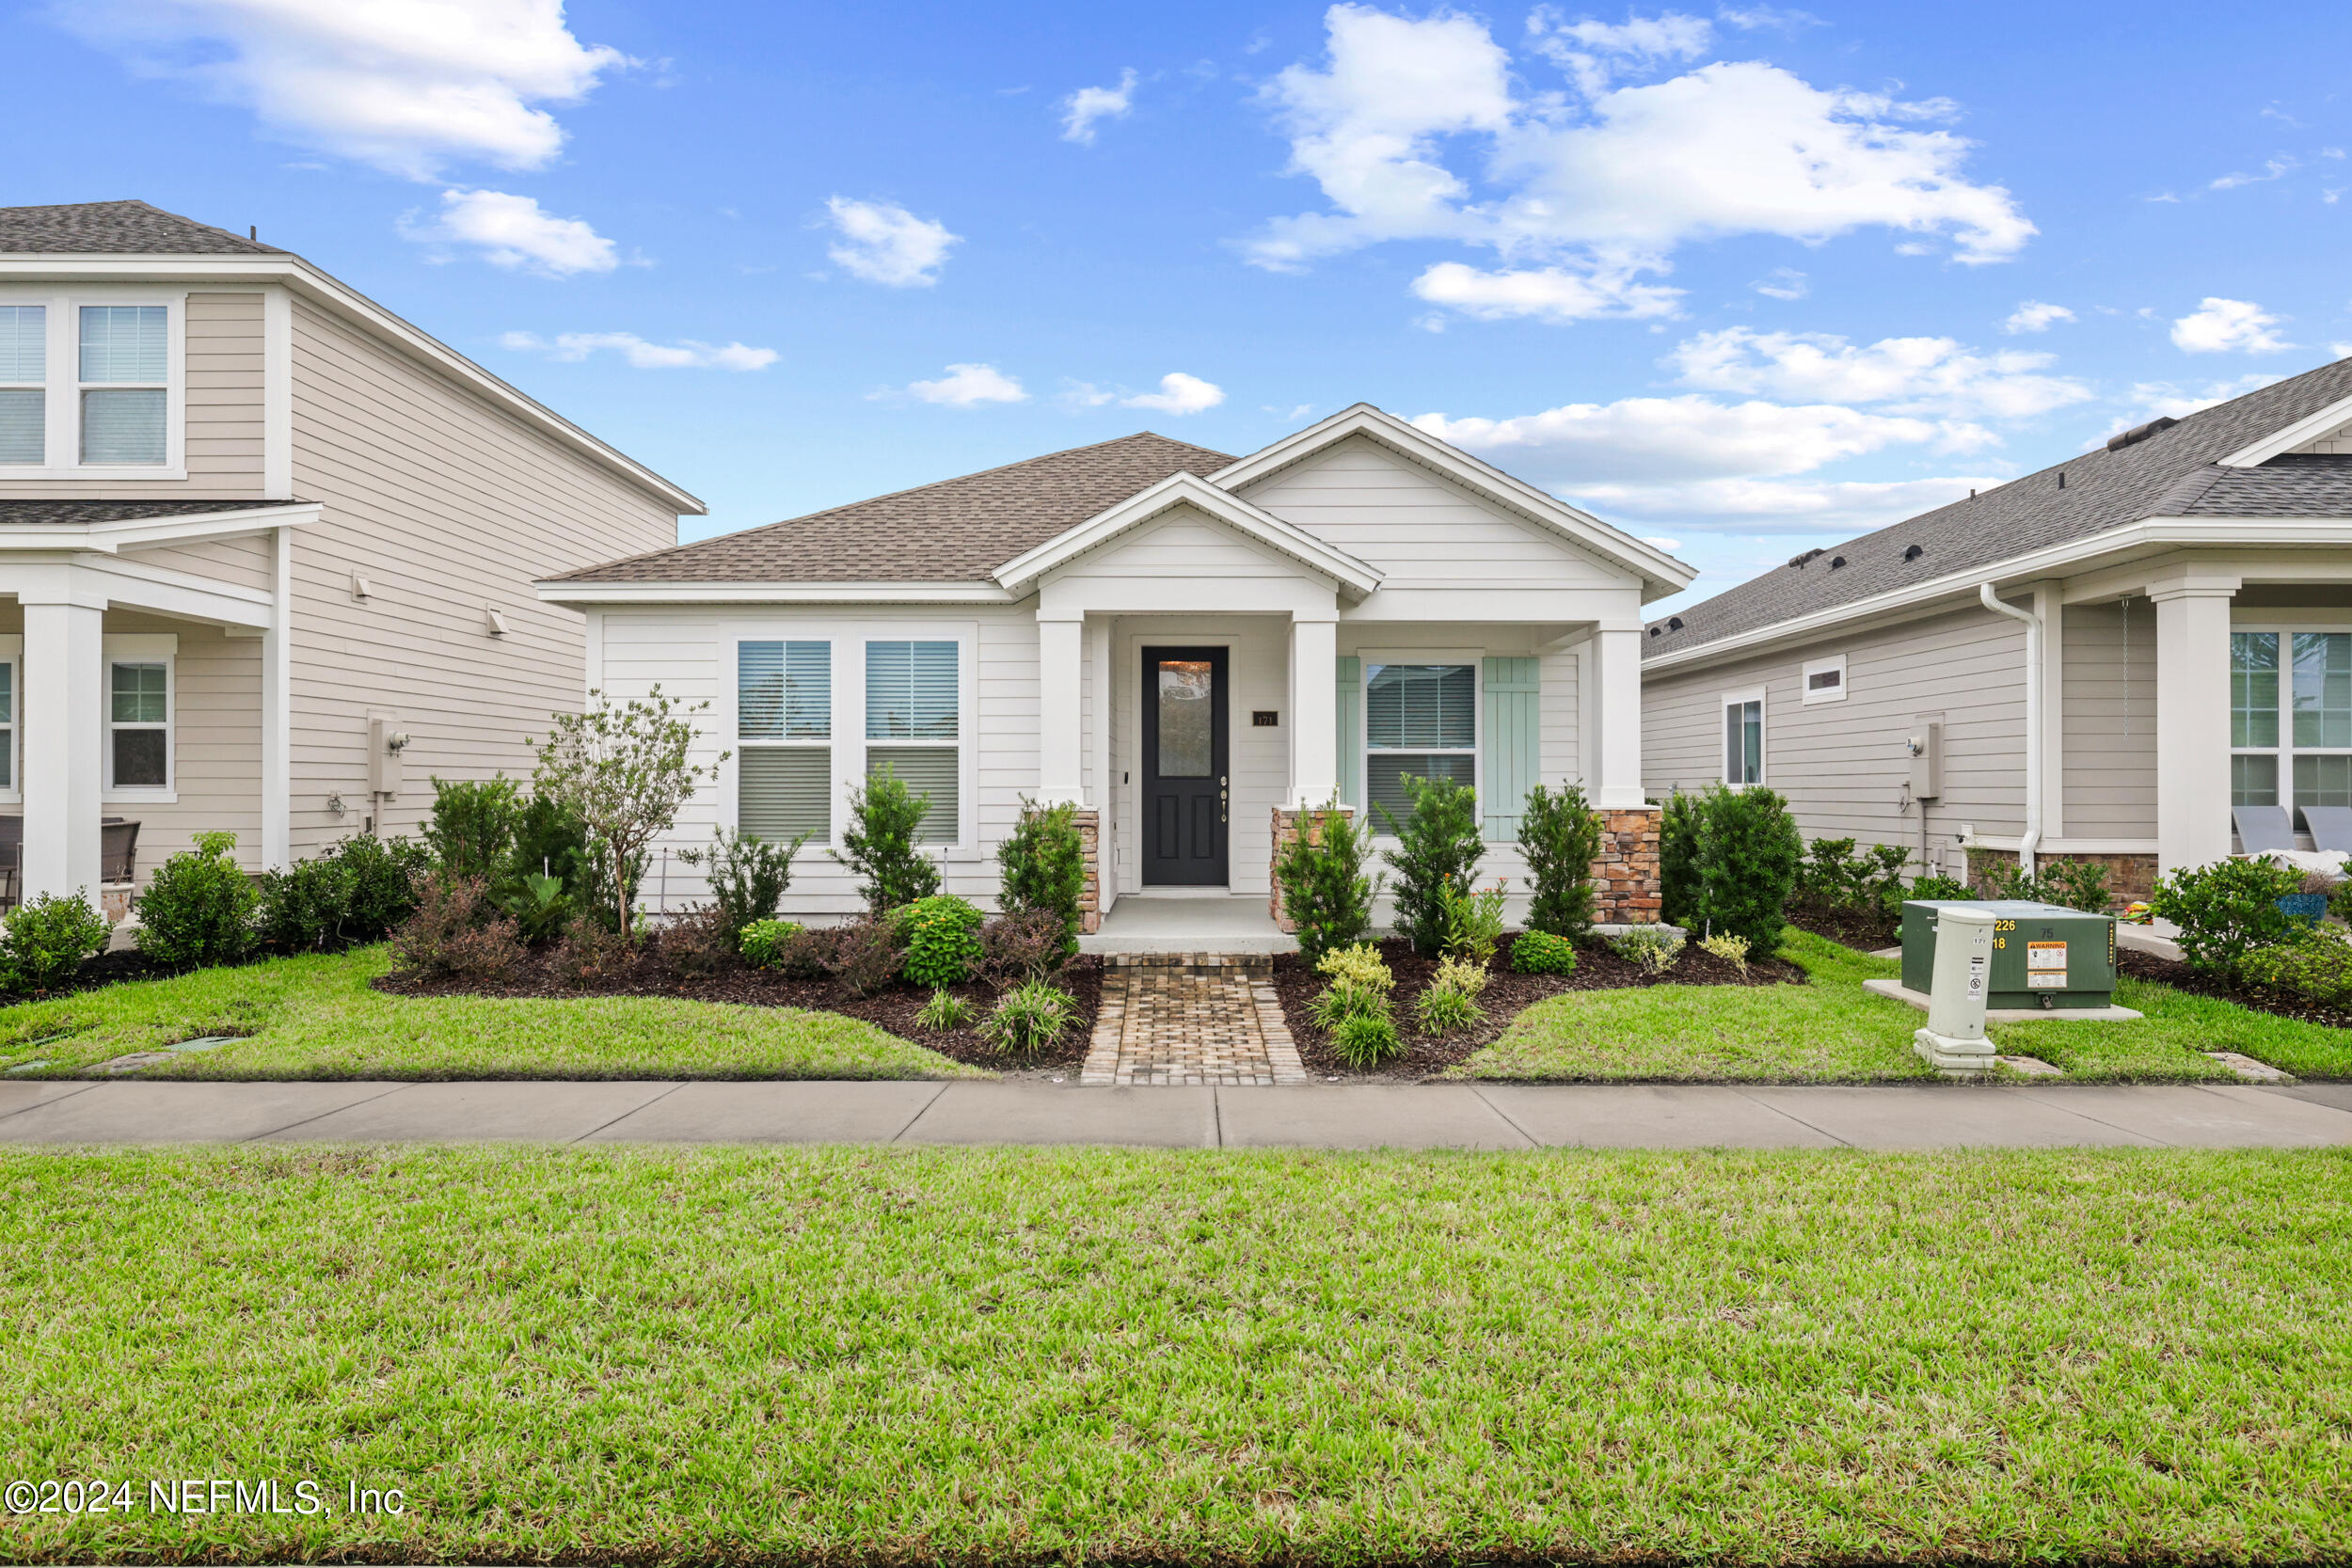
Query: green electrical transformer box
x,y
2043,956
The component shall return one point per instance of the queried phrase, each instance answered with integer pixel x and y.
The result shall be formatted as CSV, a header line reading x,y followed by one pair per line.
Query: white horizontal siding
x,y
2108,692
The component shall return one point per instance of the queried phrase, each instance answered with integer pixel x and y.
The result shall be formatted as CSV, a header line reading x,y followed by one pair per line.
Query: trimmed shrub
x,y
699,943
457,931
762,942
1438,843
1028,945
1678,858
357,891
1325,891
1832,876
809,952
865,955
549,840
1029,1018
749,877
943,940
1366,1040
2070,884
1042,865
199,909
878,845
2227,910
1541,953
2318,968
591,952
45,939
1654,950
1734,865
384,873
1939,887
945,1011
1473,921
1560,835
472,830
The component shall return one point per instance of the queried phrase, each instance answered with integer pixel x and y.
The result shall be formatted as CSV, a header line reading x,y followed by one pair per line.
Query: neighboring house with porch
x,y
2097,662
254,530
1187,647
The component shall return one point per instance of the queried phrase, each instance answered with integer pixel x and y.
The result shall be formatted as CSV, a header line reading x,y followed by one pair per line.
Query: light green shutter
x,y
1349,709
1514,738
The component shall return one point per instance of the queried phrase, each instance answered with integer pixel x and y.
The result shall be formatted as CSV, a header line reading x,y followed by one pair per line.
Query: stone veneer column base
x,y
1285,829
1626,886
1090,900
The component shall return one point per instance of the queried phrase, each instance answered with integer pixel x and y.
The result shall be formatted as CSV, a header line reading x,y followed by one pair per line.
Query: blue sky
x,y
1746,279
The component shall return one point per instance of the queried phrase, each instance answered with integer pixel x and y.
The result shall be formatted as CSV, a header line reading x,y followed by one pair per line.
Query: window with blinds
x,y
125,360
784,730
913,727
24,383
1420,720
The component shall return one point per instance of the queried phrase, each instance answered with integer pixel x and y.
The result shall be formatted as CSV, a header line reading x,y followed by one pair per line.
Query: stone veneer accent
x,y
1090,900
2129,877
1626,886
1285,830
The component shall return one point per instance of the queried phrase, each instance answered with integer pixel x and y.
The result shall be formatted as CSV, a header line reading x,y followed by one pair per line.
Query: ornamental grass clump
x,y
1450,999
1353,1010
943,940
943,1012
1541,953
1029,1018
1560,836
1325,891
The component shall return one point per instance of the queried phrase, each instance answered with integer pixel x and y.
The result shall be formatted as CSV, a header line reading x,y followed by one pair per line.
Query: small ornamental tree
x,y
1325,891
1560,835
879,842
1438,844
1044,862
625,769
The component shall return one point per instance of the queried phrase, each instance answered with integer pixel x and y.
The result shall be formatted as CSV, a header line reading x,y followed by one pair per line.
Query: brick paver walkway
x,y
1190,1018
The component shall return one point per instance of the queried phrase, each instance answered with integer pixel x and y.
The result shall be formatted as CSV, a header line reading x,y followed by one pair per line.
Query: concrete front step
x,y
1253,966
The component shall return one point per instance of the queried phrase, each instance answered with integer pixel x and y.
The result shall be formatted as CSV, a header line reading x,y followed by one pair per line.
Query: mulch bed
x,y
2147,966
1856,929
1508,994
106,968
892,1008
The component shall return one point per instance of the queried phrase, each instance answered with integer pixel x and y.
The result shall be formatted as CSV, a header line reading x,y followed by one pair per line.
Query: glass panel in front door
x,y
1187,727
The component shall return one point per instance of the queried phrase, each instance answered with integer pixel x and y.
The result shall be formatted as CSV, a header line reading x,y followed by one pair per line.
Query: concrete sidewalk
x,y
1357,1115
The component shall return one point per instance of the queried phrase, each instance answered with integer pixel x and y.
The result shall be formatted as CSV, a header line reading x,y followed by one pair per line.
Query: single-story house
x,y
267,552
2096,661
1187,645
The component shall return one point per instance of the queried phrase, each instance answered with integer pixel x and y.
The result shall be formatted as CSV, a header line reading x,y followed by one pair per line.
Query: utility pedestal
x,y
1953,1042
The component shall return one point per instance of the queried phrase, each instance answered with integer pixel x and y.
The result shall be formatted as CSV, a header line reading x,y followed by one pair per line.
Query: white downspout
x,y
2032,839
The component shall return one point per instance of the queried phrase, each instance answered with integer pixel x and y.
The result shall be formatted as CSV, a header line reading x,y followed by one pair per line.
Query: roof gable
x,y
1190,492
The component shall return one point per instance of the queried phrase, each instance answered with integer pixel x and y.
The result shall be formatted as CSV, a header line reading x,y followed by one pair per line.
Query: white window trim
x,y
12,654
738,744
1726,701
848,743
61,446
1813,667
141,648
1365,659
2287,751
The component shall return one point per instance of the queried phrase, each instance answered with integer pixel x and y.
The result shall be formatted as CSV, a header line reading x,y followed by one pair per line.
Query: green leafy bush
x,y
624,771
2227,910
457,931
762,942
943,940
1832,877
1325,891
471,829
1450,999
1438,843
749,877
1678,858
1560,835
2318,968
1735,865
1361,982
1042,865
1542,953
1366,1040
538,906
2070,884
1939,887
45,939
355,893
549,840
1473,921
879,844
199,909
1655,950
1029,1018
1359,965
1732,949
945,1011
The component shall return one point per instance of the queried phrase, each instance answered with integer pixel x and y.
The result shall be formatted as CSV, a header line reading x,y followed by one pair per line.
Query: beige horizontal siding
x,y
2109,690
216,743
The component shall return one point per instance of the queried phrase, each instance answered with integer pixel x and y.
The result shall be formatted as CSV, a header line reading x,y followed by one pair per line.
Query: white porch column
x,y
1060,754
63,697
1615,670
2192,718
1314,712
276,723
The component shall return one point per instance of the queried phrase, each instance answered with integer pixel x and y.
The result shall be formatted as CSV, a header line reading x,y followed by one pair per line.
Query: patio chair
x,y
2331,826
118,850
2262,828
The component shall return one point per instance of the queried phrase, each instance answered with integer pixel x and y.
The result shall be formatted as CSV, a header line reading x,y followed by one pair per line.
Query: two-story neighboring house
x,y
266,551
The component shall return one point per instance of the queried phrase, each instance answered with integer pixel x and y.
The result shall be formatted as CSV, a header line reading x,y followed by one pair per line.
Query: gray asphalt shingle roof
x,y
2172,473
118,229
64,513
955,531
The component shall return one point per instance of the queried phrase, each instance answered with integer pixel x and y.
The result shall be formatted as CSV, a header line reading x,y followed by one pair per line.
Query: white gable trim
x,y
131,533
1355,579
2309,428
1658,570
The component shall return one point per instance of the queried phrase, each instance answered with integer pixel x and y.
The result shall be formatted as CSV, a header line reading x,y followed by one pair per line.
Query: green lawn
x,y
1833,1031
893,1355
317,1017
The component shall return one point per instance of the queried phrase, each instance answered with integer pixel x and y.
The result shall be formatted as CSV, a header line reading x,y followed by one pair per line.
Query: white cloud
x,y
1595,52
1783,283
1928,376
571,347
883,242
1616,183
2155,400
1659,541
2034,316
1083,109
1839,508
1179,393
2273,168
408,86
2222,325
968,387
1554,295
513,232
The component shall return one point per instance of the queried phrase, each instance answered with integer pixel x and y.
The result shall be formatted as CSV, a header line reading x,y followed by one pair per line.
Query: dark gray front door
x,y
1187,775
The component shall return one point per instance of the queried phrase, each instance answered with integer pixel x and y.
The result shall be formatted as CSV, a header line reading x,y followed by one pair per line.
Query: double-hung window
x,y
125,395
784,738
2290,718
138,721
1420,720
23,383
913,727
1743,737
